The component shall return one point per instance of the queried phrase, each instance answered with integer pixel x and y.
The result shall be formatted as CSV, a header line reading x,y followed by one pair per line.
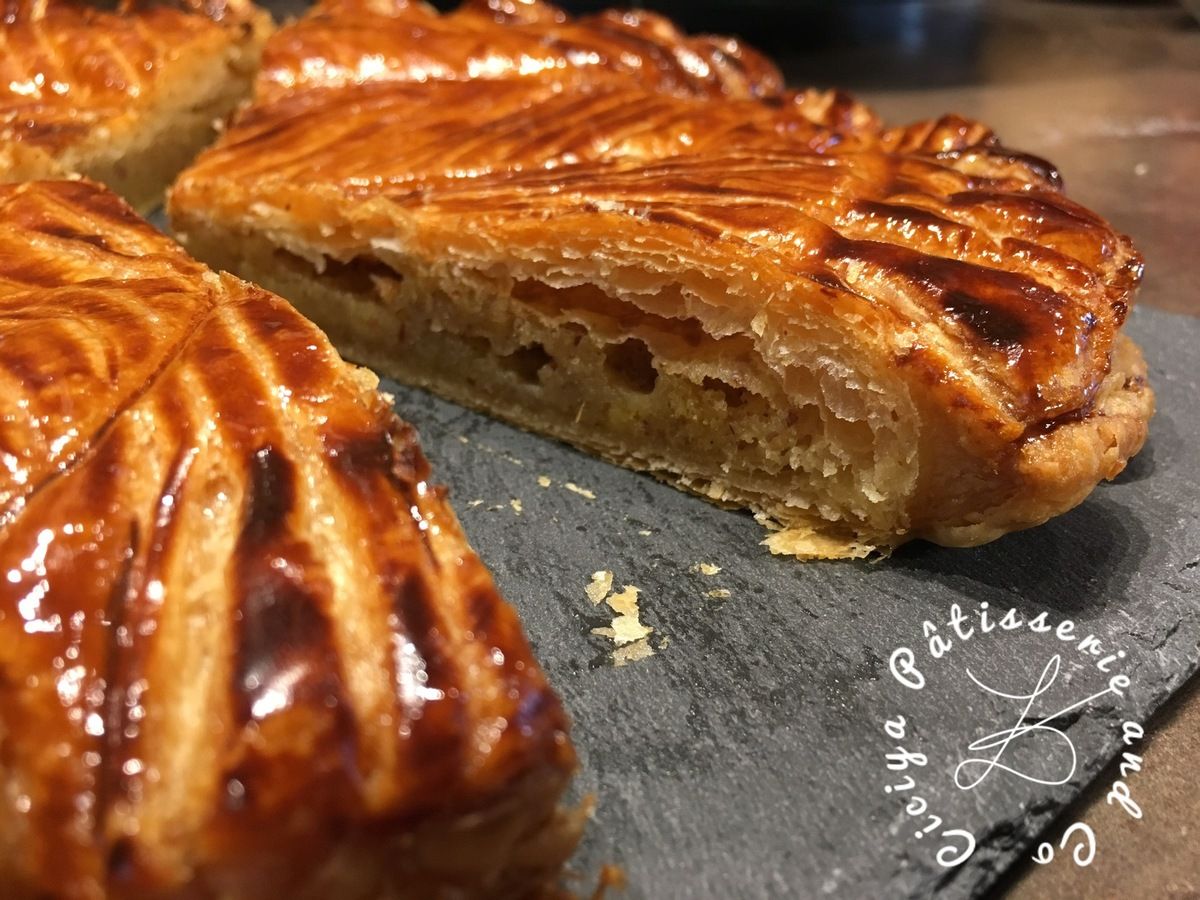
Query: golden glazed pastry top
x,y
351,41
68,68
510,121
237,623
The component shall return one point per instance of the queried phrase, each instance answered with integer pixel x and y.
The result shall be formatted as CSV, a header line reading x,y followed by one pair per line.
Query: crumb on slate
x,y
599,587
627,632
639,649
627,625
583,492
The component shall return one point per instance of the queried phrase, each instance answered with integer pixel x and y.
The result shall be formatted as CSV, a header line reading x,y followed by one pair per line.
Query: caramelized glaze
x,y
237,622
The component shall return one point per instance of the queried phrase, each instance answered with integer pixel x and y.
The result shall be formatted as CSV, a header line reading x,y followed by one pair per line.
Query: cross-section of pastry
x,y
641,243
127,96
245,649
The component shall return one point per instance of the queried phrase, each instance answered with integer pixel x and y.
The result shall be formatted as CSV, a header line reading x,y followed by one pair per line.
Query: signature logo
x,y
1029,744
1056,747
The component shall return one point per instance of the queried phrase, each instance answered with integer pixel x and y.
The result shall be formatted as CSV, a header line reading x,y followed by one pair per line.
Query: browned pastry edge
x,y
1057,466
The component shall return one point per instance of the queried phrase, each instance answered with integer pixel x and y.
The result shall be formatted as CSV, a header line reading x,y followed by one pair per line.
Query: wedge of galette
x,y
127,96
245,649
641,243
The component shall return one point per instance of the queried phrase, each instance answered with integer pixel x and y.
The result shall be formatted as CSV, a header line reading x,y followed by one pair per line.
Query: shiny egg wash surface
x,y
236,620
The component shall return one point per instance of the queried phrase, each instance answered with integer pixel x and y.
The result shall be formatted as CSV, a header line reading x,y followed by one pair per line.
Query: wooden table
x,y
1111,94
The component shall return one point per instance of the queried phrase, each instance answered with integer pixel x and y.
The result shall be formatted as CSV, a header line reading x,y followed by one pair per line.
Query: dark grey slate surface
x,y
746,758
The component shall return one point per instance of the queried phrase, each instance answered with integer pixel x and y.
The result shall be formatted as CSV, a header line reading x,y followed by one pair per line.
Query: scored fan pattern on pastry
x,y
642,243
245,650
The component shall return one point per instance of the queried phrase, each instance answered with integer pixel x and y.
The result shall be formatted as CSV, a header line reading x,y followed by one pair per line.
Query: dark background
x,y
911,43
896,44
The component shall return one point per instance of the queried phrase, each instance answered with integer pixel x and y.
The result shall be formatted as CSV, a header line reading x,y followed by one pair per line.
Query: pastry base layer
x,y
651,397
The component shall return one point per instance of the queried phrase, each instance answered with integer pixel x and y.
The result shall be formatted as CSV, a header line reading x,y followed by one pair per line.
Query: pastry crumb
x,y
639,649
630,636
544,481
576,489
805,543
599,587
706,568
627,624
475,503
516,505
718,594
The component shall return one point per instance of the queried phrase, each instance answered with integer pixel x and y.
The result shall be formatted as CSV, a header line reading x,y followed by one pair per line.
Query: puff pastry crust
x,y
641,243
128,96
245,649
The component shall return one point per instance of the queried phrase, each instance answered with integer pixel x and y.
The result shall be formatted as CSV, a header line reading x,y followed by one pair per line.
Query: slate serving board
x,y
747,756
